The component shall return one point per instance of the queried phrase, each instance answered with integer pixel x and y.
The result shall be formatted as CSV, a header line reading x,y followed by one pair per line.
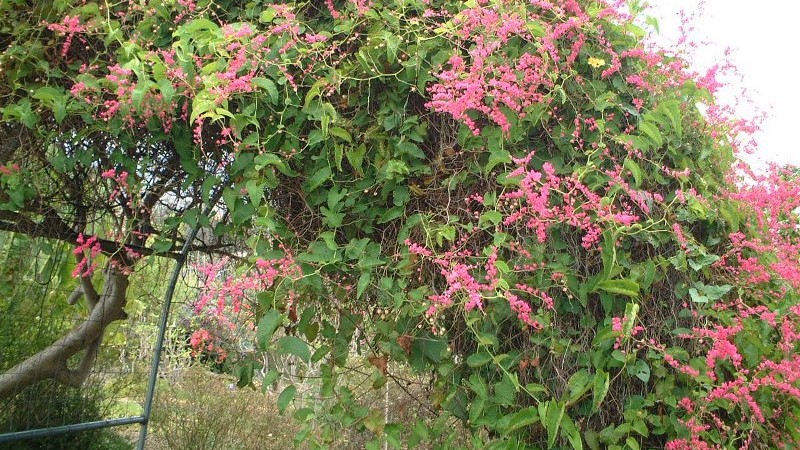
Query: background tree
x,y
89,181
521,202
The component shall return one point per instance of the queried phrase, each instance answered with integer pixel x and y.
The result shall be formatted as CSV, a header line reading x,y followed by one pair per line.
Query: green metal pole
x,y
55,431
162,325
162,328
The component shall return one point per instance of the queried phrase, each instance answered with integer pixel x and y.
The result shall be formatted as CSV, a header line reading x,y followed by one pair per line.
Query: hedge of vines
x,y
522,200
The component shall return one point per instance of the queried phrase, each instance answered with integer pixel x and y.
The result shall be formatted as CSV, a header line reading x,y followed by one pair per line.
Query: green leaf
x,y
505,392
572,433
497,157
492,217
488,339
286,397
245,373
635,170
478,384
304,414
521,419
697,297
716,292
640,427
392,45
311,331
269,378
60,110
343,134
591,437
267,15
22,111
295,346
476,409
269,159
421,431
316,180
314,91
318,252
374,422
167,90
605,101
267,326
478,359
555,412
432,348
256,191
652,132
699,263
620,286
578,384
48,94
161,245
198,25
355,156
333,219
363,283
702,293
269,86
671,109
140,90
640,370
600,389
631,311
391,121
608,254
201,104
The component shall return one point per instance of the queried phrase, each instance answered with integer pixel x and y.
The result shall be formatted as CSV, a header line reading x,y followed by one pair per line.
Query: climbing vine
x,y
524,201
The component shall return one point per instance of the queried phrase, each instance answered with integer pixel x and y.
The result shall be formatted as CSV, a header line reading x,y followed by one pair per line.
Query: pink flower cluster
x,y
459,280
233,291
617,326
189,7
202,341
248,54
69,26
462,283
121,183
487,84
737,386
9,169
86,252
771,202
695,442
578,206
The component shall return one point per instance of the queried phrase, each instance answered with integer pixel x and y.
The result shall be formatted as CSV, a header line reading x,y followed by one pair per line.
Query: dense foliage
x,y
520,200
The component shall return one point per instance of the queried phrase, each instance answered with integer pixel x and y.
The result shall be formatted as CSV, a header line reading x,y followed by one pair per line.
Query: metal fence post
x,y
162,326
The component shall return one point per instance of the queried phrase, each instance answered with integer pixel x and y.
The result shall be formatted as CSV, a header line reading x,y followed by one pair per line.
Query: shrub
x,y
49,405
522,201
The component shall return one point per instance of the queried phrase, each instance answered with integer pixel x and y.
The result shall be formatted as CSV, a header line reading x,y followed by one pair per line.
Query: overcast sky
x,y
766,43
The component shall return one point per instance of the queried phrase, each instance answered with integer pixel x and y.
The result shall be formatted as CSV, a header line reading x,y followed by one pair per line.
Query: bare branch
x,y
89,292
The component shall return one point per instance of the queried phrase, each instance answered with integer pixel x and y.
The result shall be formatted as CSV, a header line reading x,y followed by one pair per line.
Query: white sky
x,y
766,43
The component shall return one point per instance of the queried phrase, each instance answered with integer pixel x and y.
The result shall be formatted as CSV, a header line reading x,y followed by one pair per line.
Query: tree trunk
x,y
51,363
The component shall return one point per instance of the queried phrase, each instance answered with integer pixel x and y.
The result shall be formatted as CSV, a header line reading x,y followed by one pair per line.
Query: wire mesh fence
x,y
198,403
39,311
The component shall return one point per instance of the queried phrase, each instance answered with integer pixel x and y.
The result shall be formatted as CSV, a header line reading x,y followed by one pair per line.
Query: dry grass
x,y
199,410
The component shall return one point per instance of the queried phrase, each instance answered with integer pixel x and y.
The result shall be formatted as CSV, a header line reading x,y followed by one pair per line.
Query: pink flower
x,y
69,26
